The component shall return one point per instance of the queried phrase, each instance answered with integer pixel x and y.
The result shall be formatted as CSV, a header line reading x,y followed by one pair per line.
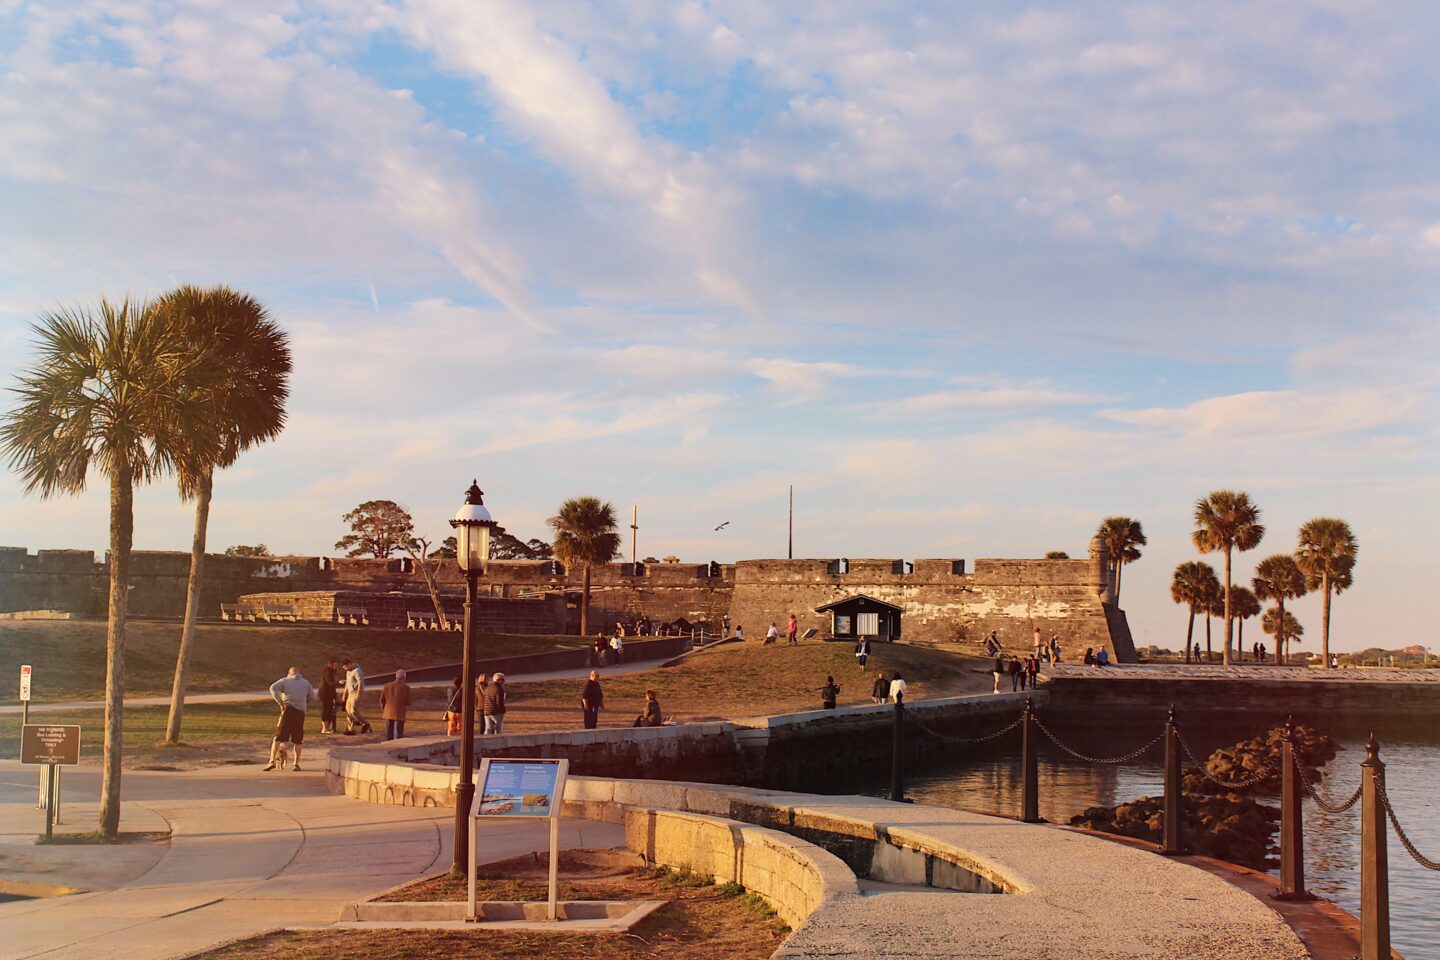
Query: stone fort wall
x,y
943,600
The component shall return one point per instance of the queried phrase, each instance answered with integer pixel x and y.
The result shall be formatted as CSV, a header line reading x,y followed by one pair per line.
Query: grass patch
x,y
97,838
69,655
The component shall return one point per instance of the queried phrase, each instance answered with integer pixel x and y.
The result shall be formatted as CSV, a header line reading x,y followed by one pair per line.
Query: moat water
x,y
1332,842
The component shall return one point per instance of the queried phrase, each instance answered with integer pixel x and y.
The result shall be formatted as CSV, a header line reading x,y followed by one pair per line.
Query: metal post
x,y
1174,803
1030,792
897,751
790,527
1374,859
1292,826
59,771
554,867
50,801
465,789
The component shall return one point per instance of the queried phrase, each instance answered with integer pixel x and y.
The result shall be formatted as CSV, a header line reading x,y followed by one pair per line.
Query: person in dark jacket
x,y
829,693
454,707
602,646
329,686
592,698
1015,674
1033,668
493,705
880,692
652,716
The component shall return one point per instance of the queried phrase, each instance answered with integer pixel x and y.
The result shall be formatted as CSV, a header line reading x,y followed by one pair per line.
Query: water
x,y
1332,841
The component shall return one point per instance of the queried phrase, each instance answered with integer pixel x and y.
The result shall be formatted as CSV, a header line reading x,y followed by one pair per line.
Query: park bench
x,y
230,611
279,611
420,620
356,615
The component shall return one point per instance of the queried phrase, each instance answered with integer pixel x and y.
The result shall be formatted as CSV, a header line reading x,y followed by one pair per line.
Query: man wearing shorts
x,y
293,693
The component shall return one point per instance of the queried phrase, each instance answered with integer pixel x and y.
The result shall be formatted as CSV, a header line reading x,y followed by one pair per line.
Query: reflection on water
x,y
1332,841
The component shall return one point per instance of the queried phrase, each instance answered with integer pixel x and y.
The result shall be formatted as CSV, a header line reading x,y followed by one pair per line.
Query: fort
x,y
940,600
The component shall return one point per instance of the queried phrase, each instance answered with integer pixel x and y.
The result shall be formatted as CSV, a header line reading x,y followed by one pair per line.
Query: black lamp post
x,y
472,552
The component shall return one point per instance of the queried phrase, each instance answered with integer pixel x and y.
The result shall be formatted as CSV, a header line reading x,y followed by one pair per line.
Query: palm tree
x,y
1327,556
1122,538
114,389
1188,586
1212,604
1244,605
1227,521
1271,622
1278,578
585,535
252,357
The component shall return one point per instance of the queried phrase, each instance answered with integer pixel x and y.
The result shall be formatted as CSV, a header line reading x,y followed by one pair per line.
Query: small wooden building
x,y
863,616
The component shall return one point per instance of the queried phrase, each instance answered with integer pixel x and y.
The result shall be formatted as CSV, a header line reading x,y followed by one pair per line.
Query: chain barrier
x,y
1134,755
1256,780
1405,841
953,739
1319,801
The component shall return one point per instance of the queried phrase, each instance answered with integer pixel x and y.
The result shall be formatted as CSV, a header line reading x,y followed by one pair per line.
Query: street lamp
x,y
472,525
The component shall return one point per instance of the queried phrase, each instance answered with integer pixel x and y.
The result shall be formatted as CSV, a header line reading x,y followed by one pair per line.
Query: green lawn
x,y
69,655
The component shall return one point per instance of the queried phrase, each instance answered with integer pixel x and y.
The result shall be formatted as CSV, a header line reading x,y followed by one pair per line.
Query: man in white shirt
x,y
617,648
293,693
354,690
772,634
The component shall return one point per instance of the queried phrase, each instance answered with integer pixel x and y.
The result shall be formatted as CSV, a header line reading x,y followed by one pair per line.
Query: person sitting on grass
x,y
652,716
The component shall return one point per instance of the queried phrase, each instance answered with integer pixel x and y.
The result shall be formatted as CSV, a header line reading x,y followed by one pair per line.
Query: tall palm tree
x,y
1227,521
112,389
1212,604
1327,556
1271,624
1188,586
1278,578
585,535
251,355
1244,605
1122,538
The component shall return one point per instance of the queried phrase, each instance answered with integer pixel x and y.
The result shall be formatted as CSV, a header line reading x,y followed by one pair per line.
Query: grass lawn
x,y
69,655
700,921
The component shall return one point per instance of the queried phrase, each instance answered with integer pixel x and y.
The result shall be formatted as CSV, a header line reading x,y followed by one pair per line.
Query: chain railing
x,y
1259,778
1319,800
1405,840
1109,761
984,738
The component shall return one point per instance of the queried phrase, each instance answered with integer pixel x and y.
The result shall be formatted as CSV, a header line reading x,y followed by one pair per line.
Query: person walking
x,y
880,692
601,646
772,634
329,686
1033,669
999,671
1197,652
1015,674
354,690
592,698
292,693
862,652
493,705
897,689
394,704
455,707
1039,642
829,694
617,649
1055,649
792,629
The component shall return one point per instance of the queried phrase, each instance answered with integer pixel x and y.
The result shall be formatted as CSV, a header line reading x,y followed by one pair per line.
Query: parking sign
x,y
24,682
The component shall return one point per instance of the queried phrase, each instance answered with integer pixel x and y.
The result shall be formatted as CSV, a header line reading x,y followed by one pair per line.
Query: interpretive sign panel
x,y
24,682
520,788
50,743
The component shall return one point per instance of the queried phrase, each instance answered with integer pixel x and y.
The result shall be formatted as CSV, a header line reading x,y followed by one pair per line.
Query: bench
x,y
279,611
420,620
230,611
357,615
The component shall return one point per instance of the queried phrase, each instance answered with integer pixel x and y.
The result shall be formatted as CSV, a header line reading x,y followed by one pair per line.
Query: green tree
x,y
1278,578
250,357
506,546
1326,554
118,389
246,550
449,549
1057,555
1189,585
1243,605
378,528
1123,539
1271,622
1227,521
585,535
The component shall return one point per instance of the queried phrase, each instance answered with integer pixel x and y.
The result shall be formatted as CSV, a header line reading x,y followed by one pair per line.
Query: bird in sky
x,y
722,526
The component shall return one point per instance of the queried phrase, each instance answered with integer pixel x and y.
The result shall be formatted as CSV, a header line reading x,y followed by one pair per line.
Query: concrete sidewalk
x,y
248,853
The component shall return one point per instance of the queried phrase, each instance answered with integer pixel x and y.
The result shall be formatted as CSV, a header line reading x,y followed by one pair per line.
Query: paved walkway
x,y
250,852
1216,671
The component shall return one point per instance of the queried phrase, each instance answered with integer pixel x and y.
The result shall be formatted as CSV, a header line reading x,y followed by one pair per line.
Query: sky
x,y
970,277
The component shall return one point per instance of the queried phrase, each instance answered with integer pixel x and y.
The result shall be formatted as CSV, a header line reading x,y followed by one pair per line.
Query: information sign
x,y
520,788
50,743
24,682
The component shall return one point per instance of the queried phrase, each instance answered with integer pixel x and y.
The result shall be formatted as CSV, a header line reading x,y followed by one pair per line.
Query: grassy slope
x,y
69,655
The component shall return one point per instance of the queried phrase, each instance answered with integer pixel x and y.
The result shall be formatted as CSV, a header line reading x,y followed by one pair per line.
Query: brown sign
x,y
50,743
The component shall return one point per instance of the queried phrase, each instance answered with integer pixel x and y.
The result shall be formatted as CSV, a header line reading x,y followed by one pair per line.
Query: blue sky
x,y
970,279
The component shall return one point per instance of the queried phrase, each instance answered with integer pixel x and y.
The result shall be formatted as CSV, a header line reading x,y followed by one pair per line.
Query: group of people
x,y
1022,671
792,632
592,701
1045,651
489,701
609,651
341,683
1097,657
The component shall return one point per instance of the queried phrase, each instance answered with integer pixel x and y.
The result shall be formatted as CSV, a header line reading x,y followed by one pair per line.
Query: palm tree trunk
x,y
122,528
1119,565
1208,654
1325,618
1240,638
1190,633
1282,640
585,603
1228,629
192,607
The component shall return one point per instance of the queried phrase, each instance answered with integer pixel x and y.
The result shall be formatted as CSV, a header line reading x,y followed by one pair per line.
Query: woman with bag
x,y
453,708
